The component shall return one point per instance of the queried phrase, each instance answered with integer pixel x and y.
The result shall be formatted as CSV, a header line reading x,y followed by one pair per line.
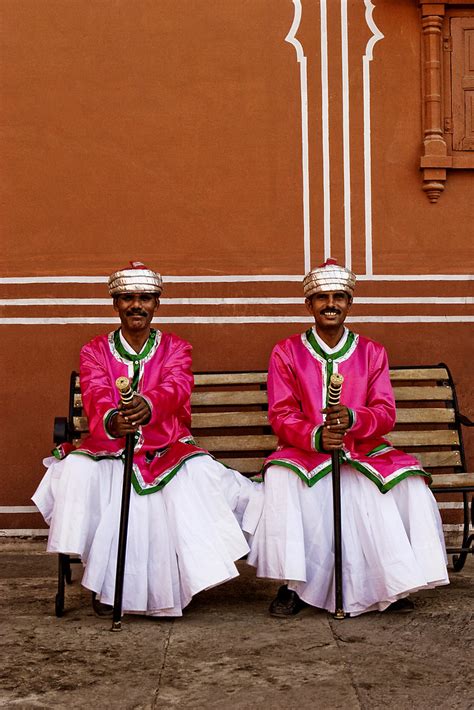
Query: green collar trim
x,y
130,356
332,356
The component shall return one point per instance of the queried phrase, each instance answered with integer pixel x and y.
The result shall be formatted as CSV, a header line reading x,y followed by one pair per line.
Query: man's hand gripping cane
x,y
337,420
132,413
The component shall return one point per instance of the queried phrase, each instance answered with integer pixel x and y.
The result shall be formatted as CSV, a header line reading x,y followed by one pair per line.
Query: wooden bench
x,y
229,419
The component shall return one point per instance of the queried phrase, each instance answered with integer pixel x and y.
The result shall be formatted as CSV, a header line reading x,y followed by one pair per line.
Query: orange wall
x,y
171,131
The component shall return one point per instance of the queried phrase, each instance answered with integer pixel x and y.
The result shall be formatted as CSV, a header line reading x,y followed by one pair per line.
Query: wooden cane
x,y
126,395
334,396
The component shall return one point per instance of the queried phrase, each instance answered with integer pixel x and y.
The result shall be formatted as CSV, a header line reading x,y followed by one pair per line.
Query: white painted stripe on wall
x,y
325,130
366,59
25,532
232,278
436,300
4,509
43,532
415,277
455,528
346,135
301,58
235,320
18,509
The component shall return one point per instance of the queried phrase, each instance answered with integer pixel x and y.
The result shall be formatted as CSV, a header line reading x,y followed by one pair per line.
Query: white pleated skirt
x,y
392,543
181,540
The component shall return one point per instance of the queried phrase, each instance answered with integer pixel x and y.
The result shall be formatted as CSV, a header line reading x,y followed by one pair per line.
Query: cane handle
x,y
335,387
124,388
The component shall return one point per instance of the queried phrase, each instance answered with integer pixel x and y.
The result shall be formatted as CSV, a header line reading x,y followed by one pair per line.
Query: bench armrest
x,y
61,430
462,419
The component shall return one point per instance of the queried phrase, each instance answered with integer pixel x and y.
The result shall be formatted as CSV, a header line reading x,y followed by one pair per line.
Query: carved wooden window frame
x,y
438,154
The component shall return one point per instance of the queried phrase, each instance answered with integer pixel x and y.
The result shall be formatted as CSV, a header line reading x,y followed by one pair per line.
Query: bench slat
x,y
402,394
442,437
418,394
205,420
226,398
438,459
397,438
219,378
80,424
453,480
230,378
419,374
250,465
267,441
260,442
427,415
242,419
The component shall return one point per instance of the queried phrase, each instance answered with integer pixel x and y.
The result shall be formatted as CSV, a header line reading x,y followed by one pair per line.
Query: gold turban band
x,y
135,279
329,277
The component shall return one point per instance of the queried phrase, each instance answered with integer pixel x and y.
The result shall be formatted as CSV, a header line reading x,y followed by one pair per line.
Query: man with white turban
x,y
187,511
392,540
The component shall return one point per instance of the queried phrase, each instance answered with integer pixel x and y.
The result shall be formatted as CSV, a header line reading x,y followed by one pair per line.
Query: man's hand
x,y
137,412
331,440
130,417
335,426
337,418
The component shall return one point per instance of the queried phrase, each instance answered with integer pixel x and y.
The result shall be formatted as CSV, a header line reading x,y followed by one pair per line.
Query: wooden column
x,y
435,159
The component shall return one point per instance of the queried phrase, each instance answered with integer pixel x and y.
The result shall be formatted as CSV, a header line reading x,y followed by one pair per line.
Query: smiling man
x,y
186,509
392,535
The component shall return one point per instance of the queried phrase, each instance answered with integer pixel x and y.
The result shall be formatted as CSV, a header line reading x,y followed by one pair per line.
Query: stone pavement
x,y
226,652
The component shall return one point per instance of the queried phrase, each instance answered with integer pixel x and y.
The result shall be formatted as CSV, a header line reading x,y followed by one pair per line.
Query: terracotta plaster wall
x,y
172,132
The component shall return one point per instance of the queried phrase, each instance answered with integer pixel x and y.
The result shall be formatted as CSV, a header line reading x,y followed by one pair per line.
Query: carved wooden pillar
x,y
435,159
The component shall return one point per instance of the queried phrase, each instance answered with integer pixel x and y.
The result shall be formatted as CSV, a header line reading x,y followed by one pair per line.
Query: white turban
x,y
135,279
329,277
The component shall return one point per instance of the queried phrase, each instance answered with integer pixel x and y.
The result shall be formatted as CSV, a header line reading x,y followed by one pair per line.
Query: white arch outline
x,y
301,58
366,59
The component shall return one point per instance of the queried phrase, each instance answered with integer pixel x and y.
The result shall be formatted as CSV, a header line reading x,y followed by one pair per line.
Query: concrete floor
x,y
226,652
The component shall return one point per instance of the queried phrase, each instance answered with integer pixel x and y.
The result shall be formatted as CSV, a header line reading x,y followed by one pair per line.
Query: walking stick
x,y
126,395
334,395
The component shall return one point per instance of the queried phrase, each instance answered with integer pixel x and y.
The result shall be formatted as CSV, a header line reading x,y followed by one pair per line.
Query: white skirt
x,y
392,543
181,540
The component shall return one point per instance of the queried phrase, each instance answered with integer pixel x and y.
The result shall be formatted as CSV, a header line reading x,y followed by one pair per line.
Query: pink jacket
x,y
298,377
162,375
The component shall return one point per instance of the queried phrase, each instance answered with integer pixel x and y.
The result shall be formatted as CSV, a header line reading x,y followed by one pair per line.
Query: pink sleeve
x,y
176,384
99,397
377,418
284,407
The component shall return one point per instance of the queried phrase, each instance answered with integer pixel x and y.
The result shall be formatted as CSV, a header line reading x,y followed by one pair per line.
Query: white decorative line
x,y
301,58
325,130
346,135
232,278
265,301
376,36
236,320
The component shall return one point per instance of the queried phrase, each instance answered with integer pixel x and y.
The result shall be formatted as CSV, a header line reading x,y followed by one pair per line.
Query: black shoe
x,y
401,606
99,608
286,603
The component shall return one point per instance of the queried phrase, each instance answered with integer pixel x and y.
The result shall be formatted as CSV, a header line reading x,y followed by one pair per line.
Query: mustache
x,y
136,312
